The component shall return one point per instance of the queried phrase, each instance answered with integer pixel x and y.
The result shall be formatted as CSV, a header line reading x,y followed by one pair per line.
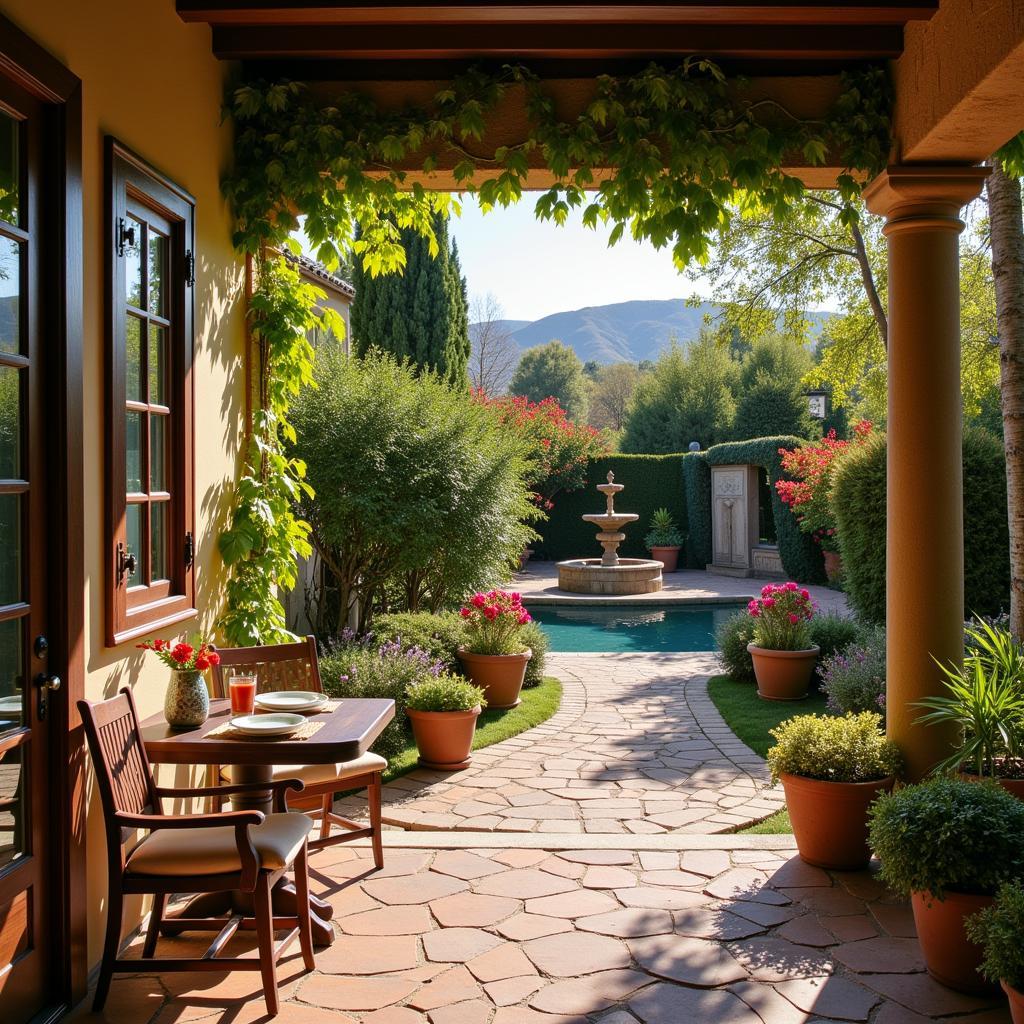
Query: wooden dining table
x,y
348,730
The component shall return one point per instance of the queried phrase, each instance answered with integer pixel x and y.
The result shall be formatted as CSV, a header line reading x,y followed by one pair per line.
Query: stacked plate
x,y
291,700
268,725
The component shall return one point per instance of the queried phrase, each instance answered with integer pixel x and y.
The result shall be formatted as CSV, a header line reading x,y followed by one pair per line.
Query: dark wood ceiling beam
x,y
469,42
693,12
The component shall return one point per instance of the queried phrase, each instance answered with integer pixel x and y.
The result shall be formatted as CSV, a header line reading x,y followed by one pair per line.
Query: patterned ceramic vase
x,y
187,703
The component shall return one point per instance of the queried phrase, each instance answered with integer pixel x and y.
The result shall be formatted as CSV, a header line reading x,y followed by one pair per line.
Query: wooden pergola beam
x,y
688,12
473,42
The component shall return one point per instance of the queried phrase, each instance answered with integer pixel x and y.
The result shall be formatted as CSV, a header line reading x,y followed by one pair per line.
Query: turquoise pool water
x,y
622,628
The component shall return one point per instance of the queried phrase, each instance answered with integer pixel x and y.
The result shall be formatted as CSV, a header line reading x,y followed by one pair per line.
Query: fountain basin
x,y
627,576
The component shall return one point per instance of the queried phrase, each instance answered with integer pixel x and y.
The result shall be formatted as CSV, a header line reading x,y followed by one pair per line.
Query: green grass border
x,y
751,718
538,704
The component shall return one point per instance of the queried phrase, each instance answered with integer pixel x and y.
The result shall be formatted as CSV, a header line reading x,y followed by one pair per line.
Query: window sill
x,y
152,625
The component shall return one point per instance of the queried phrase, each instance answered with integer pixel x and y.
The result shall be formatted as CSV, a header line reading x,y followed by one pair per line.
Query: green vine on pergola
x,y
666,154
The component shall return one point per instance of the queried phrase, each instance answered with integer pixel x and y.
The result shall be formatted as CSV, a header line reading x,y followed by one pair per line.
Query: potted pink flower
x,y
782,652
494,654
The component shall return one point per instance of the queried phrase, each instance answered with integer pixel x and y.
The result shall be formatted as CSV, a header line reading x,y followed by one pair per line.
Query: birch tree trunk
x,y
1007,232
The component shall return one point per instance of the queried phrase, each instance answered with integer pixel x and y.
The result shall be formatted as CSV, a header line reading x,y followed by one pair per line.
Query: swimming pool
x,y
680,627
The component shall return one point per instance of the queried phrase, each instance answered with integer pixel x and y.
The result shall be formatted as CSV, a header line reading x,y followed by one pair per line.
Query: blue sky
x,y
535,268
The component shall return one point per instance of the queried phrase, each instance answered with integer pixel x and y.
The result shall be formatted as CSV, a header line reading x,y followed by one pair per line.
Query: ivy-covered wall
x,y
801,557
651,481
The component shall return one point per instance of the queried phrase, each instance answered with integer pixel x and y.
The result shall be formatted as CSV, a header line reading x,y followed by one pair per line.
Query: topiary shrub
x,y
832,632
651,482
859,496
999,930
849,749
537,640
948,835
986,527
731,638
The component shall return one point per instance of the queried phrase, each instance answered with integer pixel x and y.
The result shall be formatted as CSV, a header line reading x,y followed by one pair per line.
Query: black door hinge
x,y
125,236
190,269
190,552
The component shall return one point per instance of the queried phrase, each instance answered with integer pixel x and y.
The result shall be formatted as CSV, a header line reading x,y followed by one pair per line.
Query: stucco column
x,y
925,536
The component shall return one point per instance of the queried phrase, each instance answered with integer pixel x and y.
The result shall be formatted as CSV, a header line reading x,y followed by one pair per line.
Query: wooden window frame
x,y
137,611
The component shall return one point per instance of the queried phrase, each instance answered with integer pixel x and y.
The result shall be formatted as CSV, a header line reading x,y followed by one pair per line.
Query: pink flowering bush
x,y
808,493
782,616
494,623
560,450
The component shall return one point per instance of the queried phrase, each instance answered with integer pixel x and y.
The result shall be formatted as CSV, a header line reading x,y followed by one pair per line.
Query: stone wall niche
x,y
736,550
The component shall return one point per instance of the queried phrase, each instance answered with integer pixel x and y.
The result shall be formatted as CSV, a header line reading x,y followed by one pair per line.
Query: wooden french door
x,y
29,958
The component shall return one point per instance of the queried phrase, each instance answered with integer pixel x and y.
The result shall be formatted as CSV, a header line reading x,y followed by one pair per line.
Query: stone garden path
x,y
509,932
637,747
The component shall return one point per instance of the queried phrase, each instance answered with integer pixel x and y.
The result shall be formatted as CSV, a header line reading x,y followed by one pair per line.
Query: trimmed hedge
x,y
681,483
651,482
801,557
859,494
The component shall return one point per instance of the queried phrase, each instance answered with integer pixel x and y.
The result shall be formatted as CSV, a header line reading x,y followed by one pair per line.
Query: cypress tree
x,y
421,314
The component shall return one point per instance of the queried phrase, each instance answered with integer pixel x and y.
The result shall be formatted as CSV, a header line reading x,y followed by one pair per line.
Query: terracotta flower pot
x,y
669,557
444,738
830,819
1016,1003
950,956
783,675
833,564
525,557
500,675
1014,786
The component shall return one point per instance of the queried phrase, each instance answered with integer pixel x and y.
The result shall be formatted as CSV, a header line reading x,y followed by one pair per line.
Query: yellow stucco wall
x,y
152,82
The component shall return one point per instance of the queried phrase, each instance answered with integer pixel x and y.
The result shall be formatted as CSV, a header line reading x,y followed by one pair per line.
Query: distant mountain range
x,y
622,331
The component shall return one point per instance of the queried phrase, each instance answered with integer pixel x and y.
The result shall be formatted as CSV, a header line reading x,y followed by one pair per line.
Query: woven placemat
x,y
228,732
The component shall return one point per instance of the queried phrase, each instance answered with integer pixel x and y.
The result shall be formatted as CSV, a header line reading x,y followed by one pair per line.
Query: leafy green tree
x,y
771,407
552,371
418,491
420,313
687,397
777,265
770,399
611,393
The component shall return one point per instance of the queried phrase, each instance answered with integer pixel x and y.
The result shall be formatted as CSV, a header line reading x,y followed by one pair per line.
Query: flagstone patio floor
x,y
731,930
637,747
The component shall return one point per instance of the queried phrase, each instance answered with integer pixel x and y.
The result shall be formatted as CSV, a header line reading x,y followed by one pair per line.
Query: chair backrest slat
x,y
276,667
123,771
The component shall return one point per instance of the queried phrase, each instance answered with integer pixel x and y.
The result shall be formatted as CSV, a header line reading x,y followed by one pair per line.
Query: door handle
x,y
45,683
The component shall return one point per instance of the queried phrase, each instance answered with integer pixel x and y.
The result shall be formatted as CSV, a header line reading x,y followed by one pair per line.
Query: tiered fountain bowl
x,y
610,574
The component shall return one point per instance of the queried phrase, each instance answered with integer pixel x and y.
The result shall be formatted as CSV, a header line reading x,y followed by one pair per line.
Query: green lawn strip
x,y
538,704
751,718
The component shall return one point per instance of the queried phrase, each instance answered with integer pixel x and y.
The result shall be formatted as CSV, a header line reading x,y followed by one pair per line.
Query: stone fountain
x,y
610,574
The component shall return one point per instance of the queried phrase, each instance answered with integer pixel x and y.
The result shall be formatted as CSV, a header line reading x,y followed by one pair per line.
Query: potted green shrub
x,y
831,770
999,930
984,702
443,711
782,652
664,540
494,654
949,845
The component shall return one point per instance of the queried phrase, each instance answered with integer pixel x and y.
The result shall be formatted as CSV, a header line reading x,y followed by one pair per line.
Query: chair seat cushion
x,y
213,851
312,774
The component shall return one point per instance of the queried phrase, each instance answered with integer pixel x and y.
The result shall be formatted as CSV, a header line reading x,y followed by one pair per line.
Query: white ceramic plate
x,y
10,705
268,725
291,700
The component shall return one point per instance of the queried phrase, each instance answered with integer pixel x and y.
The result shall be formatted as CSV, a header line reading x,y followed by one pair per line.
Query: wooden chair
x,y
295,667
246,851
